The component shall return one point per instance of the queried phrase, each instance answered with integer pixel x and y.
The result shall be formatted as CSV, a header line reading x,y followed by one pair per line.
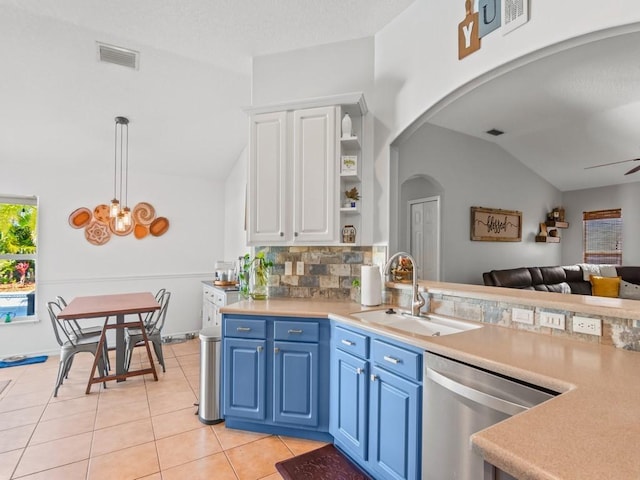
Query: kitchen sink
x,y
429,325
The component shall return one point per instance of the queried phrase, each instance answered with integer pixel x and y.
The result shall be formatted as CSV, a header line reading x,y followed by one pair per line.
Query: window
x,y
602,239
18,255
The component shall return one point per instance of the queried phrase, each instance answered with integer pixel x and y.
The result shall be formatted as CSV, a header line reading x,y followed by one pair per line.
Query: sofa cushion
x,y
629,290
629,274
552,275
513,278
605,286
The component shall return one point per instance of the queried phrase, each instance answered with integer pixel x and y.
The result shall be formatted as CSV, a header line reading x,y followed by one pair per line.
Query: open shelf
x,y
547,239
553,223
350,142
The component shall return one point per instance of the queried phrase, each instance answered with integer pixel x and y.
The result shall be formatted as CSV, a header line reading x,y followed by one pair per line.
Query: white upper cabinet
x,y
294,176
314,162
268,184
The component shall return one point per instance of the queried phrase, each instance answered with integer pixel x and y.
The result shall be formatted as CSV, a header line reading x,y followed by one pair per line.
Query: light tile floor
x,y
135,429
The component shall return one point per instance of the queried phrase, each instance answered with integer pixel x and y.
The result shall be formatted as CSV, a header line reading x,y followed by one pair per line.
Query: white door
x,y
314,174
424,234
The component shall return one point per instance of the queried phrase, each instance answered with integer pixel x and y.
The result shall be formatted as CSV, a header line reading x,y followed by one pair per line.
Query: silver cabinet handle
x,y
389,359
295,234
373,377
282,234
295,331
243,329
347,343
276,350
359,371
259,348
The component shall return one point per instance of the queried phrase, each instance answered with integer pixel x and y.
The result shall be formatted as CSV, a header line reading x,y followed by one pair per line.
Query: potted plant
x,y
254,276
352,197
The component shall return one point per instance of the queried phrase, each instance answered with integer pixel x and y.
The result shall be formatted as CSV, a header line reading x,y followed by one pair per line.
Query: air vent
x,y
495,132
118,55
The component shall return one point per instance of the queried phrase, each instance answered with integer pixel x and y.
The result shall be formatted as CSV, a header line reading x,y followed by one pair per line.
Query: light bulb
x,y
126,211
115,208
120,227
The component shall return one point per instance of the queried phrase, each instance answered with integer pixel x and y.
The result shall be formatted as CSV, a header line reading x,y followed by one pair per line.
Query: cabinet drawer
x,y
352,342
245,328
397,359
218,298
296,331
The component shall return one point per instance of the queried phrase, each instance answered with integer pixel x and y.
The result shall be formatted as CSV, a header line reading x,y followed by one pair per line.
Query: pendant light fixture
x,y
119,209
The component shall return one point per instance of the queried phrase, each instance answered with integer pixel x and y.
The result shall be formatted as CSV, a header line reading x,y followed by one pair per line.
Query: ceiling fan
x,y
633,170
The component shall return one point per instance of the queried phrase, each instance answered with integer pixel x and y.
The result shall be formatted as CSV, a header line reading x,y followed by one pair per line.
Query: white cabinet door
x,y
268,173
314,175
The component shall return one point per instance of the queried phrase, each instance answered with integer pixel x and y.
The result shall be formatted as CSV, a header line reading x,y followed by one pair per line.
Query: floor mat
x,y
4,384
325,463
23,361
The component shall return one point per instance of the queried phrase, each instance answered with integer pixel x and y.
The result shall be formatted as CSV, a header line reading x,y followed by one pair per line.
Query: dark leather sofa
x,y
565,279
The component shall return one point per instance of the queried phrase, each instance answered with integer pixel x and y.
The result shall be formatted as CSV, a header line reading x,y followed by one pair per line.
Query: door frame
x,y
433,198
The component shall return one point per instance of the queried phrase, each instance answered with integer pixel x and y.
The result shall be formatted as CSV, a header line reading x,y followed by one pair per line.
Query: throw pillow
x,y
605,286
629,290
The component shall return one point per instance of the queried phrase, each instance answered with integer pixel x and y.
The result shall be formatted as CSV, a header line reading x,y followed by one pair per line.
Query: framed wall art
x,y
496,225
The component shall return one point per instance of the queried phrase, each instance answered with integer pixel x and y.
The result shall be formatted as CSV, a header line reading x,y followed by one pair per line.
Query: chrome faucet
x,y
418,300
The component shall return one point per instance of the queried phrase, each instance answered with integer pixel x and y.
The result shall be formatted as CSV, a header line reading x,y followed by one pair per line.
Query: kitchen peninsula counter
x,y
590,431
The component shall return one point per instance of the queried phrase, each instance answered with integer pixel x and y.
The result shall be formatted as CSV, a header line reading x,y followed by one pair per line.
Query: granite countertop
x,y
590,431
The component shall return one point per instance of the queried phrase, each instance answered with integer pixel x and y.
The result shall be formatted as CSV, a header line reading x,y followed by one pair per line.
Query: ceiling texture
x,y
185,100
563,113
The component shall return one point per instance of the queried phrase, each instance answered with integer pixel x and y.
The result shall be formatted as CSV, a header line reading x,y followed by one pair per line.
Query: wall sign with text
x,y
487,17
496,225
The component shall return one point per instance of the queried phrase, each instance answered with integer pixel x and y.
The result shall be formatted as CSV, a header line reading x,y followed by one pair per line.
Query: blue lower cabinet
x,y
395,425
277,383
376,404
349,402
295,380
245,375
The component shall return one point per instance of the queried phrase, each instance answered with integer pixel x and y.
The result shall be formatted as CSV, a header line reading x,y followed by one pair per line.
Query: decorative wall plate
x,y
140,231
101,213
159,226
80,217
97,233
144,213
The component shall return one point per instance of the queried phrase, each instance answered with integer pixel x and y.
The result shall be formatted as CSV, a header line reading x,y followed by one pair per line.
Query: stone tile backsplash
x,y
328,271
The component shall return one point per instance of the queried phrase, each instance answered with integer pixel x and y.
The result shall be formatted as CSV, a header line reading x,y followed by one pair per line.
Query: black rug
x,y
325,463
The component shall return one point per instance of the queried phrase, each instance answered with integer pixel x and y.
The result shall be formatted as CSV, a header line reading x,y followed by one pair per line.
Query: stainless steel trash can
x,y
209,406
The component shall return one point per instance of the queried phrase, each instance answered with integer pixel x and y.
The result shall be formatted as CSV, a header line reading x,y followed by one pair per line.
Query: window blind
x,y
602,236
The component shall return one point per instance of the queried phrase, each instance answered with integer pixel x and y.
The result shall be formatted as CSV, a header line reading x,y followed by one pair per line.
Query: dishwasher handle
x,y
498,404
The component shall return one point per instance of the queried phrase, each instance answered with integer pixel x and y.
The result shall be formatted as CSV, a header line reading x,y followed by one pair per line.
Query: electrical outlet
x,y
299,268
552,320
522,315
288,268
590,326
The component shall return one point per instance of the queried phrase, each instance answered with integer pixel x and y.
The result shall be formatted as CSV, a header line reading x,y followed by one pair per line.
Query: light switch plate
x,y
522,315
299,268
552,320
288,268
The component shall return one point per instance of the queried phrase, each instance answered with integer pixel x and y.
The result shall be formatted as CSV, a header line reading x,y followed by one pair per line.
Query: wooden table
x,y
117,305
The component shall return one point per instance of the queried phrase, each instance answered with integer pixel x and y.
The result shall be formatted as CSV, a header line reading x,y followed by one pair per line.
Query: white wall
x,y
331,69
235,239
474,172
416,63
70,266
625,196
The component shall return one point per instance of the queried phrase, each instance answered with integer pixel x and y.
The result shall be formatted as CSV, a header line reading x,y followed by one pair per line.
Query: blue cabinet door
x,y
245,374
348,404
295,383
395,426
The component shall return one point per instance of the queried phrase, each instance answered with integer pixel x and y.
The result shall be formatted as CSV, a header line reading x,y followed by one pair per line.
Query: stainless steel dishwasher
x,y
460,400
